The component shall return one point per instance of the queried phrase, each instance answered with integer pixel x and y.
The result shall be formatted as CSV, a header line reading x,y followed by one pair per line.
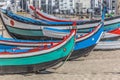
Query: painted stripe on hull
x,y
25,37
25,32
28,68
111,27
92,40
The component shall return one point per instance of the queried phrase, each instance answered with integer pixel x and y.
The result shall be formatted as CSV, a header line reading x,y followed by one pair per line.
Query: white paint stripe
x,y
23,44
89,34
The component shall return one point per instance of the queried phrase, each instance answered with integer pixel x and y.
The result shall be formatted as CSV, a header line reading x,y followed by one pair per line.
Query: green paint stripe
x,y
24,32
112,26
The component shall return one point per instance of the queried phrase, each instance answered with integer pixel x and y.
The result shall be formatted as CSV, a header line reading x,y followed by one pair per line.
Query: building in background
x,y
67,6
64,6
95,7
112,6
82,6
75,6
50,6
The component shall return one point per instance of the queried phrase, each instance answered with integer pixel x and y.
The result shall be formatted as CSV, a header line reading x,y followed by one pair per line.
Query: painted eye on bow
x,y
12,22
64,49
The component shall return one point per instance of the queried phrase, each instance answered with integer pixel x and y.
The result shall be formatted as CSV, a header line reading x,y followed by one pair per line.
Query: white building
x,y
83,5
66,4
74,6
50,6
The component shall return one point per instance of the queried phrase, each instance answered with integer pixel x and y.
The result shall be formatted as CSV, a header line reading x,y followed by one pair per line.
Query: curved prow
x,y
46,16
31,7
75,26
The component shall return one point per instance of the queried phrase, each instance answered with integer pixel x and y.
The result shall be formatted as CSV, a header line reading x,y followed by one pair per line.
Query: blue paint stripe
x,y
57,30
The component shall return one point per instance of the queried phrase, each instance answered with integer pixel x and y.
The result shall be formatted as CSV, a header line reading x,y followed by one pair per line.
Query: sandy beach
x,y
99,65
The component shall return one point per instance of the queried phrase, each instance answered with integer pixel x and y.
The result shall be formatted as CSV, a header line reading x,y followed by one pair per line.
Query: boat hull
x,y
25,37
28,68
81,52
32,61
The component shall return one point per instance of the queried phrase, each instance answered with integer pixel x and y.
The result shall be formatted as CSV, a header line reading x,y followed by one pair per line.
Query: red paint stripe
x,y
38,48
116,31
89,32
40,43
48,18
31,7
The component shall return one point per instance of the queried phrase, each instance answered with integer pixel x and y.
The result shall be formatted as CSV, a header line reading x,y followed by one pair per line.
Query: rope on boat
x,y
103,35
55,68
74,27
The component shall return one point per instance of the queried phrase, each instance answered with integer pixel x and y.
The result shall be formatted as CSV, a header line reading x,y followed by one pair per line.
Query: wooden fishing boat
x,y
110,23
44,16
18,56
22,27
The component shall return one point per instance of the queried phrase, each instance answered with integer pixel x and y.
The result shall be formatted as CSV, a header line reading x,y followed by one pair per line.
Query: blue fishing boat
x,y
83,44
